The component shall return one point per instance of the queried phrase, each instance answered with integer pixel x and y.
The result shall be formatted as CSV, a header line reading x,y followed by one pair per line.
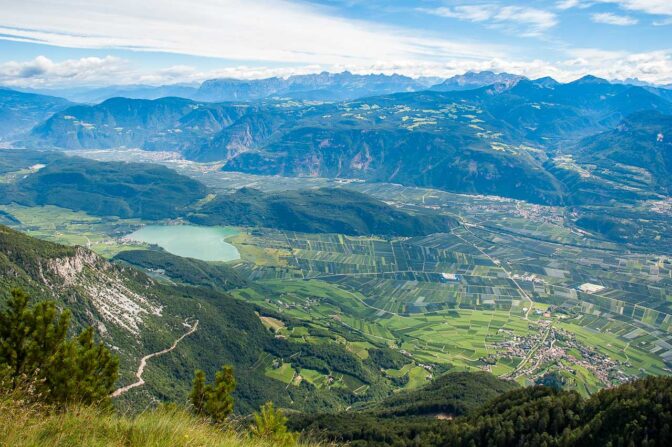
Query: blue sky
x,y
57,43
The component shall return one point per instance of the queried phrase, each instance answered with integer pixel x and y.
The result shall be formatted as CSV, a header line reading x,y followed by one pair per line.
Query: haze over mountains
x,y
321,86
19,111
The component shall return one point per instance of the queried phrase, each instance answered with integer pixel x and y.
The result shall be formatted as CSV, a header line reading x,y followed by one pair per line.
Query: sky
x,y
74,43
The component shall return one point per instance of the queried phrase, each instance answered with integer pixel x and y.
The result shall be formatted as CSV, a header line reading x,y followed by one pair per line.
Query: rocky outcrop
x,y
103,286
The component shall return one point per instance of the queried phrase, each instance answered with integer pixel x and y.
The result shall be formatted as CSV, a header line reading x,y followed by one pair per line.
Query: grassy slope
x,y
23,427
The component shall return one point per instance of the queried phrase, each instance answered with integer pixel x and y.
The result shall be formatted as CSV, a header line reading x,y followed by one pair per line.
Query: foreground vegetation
x,y
22,426
634,414
56,389
61,387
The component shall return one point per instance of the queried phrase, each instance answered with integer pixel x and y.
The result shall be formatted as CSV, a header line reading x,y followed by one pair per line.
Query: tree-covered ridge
x,y
325,210
633,414
452,394
119,189
151,191
185,270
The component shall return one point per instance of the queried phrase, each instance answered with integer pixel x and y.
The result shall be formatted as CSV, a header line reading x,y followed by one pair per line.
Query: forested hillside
x,y
105,188
317,211
639,413
500,139
139,316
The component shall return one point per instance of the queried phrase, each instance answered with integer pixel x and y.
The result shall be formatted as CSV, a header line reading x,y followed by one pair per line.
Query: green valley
x,y
484,260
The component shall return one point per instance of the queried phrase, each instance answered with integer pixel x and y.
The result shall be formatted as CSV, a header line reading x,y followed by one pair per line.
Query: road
x,y
143,363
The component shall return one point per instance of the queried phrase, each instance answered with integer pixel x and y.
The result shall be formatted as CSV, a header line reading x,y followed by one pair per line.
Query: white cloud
x,y
43,71
614,19
531,21
277,31
568,4
653,7
656,7
654,67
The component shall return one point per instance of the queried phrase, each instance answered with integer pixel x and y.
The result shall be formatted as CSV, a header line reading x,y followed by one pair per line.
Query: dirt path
x,y
143,363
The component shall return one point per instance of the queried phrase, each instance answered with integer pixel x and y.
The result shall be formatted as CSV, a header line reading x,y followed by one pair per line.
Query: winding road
x,y
143,363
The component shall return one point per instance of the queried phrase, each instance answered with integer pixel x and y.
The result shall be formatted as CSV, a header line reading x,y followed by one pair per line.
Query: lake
x,y
190,241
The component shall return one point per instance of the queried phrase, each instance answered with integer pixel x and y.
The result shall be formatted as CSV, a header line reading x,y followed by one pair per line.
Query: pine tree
x,y
271,425
198,392
214,401
219,402
34,346
15,324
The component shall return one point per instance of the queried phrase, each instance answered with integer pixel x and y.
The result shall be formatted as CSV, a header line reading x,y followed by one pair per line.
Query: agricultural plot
x,y
100,234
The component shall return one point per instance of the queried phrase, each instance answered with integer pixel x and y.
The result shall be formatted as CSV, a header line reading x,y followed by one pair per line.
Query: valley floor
x,y
517,290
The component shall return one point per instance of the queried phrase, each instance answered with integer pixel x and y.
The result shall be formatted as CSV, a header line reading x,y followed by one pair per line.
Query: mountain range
x,y
502,139
19,112
321,86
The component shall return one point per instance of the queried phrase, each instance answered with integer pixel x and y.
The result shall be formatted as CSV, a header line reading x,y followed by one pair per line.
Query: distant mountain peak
x,y
324,86
472,80
546,81
590,79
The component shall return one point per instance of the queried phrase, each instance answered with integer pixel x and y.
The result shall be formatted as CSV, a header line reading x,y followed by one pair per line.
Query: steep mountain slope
x,y
136,316
119,303
169,123
173,124
317,211
639,148
20,112
493,140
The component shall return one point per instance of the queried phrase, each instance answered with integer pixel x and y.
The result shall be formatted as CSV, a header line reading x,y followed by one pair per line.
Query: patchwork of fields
x,y
517,289
443,301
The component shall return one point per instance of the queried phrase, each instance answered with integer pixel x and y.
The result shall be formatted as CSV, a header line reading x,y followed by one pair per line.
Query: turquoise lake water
x,y
191,241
